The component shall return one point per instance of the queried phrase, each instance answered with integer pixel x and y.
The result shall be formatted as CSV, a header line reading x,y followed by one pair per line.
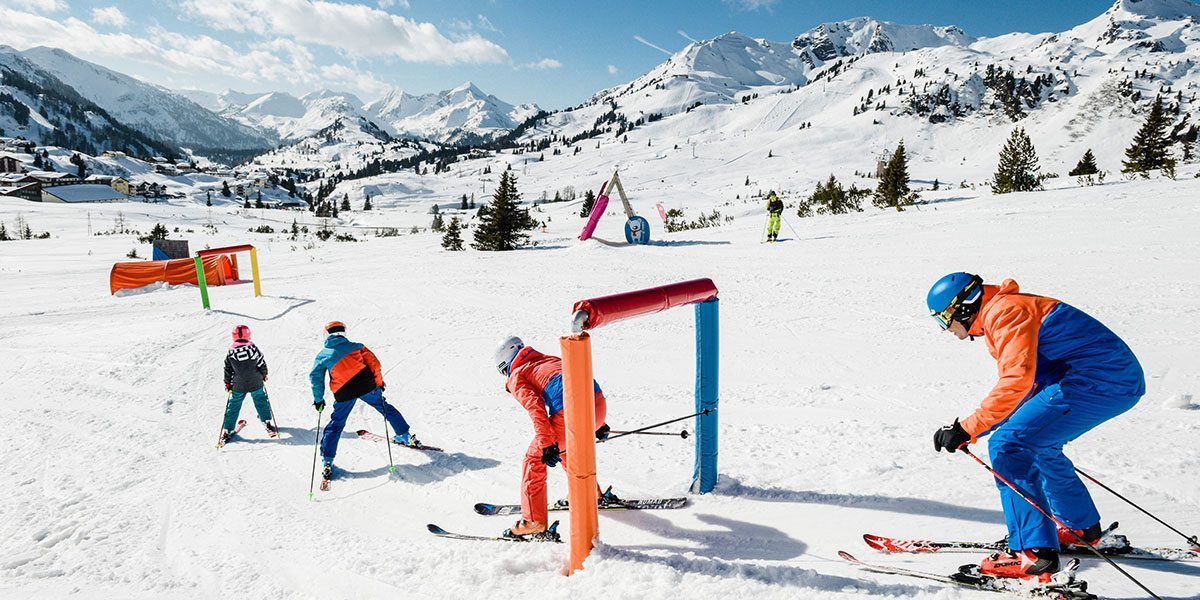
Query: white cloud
x,y
485,24
110,15
391,3
659,48
542,65
171,55
613,70
751,5
37,6
357,29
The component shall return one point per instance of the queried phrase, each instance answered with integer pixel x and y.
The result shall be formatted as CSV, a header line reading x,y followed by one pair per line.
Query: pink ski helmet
x,y
241,333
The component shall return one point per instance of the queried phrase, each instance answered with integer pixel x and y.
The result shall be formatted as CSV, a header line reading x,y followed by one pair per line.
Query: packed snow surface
x,y
833,380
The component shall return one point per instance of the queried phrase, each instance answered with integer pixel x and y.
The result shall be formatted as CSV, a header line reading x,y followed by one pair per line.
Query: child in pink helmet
x,y
245,373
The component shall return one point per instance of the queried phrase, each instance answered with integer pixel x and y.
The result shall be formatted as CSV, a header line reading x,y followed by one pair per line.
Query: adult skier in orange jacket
x,y
535,381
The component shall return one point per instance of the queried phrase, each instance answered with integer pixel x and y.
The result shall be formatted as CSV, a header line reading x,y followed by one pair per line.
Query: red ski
x,y
225,436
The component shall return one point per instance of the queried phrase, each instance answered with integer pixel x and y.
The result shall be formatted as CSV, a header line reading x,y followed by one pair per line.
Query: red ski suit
x,y
535,380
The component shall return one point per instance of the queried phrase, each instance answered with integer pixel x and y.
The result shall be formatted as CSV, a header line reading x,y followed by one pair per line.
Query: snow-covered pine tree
x,y
1149,150
367,203
452,239
503,223
1017,170
345,202
893,190
225,189
438,224
1085,166
589,200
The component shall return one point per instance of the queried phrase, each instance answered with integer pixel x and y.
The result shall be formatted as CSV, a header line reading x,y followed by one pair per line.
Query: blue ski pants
x,y
234,407
1027,449
341,411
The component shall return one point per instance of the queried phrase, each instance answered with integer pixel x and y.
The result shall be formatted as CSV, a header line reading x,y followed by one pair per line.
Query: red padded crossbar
x,y
610,309
226,250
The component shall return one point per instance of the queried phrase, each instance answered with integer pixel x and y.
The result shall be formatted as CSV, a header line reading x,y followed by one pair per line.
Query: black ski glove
x,y
950,437
319,405
602,433
550,455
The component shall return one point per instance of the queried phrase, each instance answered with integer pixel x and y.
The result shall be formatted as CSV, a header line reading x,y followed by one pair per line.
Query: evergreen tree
x,y
158,232
333,211
208,202
893,190
1018,168
345,202
452,239
246,204
438,223
503,224
225,189
589,201
463,205
4,233
831,198
1150,146
367,203
1086,165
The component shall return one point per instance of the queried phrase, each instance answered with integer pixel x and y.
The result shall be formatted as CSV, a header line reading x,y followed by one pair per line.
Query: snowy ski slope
x,y
832,382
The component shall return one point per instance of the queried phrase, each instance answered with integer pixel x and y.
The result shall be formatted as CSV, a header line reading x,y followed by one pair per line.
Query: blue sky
x,y
553,53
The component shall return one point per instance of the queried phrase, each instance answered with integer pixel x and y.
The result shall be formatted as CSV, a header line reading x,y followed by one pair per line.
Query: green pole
x,y
202,282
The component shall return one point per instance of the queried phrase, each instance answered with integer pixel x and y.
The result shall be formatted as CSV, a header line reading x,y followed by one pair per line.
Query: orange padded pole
x,y
579,406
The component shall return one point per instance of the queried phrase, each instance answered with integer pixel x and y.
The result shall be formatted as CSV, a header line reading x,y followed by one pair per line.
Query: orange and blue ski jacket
x,y
535,380
353,370
1037,341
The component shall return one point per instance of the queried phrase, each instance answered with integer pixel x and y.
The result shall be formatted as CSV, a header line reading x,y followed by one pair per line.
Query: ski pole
x,y
228,399
387,438
1046,514
682,434
316,446
641,429
789,224
1193,540
274,421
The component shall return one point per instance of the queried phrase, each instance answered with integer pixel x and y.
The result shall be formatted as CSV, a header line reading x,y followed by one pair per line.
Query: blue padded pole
x,y
704,478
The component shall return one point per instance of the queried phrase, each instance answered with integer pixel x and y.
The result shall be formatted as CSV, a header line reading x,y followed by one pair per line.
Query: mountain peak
x,y
1168,10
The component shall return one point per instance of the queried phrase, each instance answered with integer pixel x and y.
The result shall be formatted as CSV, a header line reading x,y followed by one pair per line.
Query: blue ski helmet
x,y
955,297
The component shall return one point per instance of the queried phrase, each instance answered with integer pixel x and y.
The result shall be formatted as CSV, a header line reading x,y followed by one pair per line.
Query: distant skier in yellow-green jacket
x,y
775,215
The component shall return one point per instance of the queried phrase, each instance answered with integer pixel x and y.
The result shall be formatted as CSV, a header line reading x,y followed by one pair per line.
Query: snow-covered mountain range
x,y
156,111
861,83
462,115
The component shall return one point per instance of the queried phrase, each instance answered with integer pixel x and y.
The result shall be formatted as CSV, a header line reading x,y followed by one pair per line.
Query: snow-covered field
x,y
832,381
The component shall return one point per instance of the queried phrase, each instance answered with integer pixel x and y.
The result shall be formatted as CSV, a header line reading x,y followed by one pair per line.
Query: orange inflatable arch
x,y
218,270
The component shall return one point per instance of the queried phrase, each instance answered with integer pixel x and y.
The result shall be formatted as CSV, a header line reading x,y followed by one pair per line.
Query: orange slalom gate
x,y
579,395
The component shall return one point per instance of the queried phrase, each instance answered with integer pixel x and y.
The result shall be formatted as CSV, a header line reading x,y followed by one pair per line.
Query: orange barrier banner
x,y
610,309
127,275
579,406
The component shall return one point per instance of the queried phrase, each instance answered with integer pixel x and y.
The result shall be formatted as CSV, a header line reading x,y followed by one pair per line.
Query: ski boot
x,y
225,435
1103,540
533,531
1038,564
608,499
272,430
327,471
407,439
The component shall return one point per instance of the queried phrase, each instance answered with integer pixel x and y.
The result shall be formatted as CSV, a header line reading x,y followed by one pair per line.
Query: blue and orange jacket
x,y
1037,341
535,380
353,370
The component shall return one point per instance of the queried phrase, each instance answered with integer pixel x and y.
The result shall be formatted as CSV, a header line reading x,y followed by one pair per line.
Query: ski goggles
x,y
970,294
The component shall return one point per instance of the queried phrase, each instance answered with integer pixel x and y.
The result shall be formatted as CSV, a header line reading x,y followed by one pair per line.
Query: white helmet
x,y
506,352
